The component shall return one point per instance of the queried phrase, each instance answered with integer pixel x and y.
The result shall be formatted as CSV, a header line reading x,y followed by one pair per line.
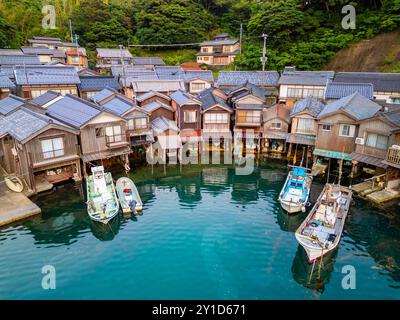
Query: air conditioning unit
x,y
360,141
396,147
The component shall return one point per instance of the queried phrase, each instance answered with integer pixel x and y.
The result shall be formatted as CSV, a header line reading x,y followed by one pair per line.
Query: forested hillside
x,y
302,33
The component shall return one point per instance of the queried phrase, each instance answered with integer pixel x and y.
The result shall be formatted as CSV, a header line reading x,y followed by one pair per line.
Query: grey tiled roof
x,y
161,124
98,83
338,90
316,78
150,94
393,117
249,88
129,69
45,98
169,73
148,61
11,52
182,98
37,50
196,74
118,105
157,85
227,42
355,105
381,81
310,104
8,71
10,103
24,123
113,53
150,107
103,94
209,99
45,75
5,82
236,78
73,111
19,59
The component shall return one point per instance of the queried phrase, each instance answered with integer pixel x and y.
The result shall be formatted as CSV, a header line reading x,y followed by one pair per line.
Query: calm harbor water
x,y
205,233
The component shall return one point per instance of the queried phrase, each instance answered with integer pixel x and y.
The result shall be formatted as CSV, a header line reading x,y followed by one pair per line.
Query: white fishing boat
x,y
102,201
14,183
321,231
296,190
129,197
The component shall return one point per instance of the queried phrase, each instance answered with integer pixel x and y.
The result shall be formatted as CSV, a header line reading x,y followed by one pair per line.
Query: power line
x,y
165,45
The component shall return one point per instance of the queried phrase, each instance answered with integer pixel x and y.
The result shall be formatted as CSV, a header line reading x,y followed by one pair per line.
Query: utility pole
x,y
123,66
70,30
264,58
241,37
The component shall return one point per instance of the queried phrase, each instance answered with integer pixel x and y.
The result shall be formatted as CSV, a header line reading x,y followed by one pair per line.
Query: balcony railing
x,y
115,140
393,156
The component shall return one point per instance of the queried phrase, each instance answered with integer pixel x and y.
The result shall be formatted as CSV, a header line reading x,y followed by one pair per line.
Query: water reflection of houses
x,y
245,188
189,189
215,180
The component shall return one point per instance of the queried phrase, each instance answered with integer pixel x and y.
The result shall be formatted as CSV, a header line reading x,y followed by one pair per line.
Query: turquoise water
x,y
205,233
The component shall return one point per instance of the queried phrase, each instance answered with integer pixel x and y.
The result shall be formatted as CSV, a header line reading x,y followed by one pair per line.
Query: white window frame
x,y
190,116
52,147
351,130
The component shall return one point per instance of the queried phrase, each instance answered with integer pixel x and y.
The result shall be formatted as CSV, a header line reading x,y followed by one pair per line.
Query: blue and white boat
x,y
294,195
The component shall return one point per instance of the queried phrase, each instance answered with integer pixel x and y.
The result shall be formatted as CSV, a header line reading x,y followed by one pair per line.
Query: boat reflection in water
x,y
106,232
315,279
289,223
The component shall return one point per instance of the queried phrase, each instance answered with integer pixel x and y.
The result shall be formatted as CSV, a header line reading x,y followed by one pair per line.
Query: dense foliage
x,y
305,33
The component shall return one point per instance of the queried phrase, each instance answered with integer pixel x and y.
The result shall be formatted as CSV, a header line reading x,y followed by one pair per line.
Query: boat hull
x,y
292,208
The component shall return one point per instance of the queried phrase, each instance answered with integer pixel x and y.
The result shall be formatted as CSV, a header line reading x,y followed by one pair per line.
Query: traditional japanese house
x,y
152,96
106,58
248,93
338,125
374,139
276,122
338,90
91,85
393,157
197,81
219,52
158,108
168,143
138,120
216,114
9,104
304,125
45,54
102,133
147,62
76,57
188,117
297,85
33,81
39,149
6,86
228,80
386,85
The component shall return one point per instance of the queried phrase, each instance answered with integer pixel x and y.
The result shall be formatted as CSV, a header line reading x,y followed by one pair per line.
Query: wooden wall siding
x,y
373,126
182,124
250,99
162,112
155,98
314,131
216,126
396,139
25,91
6,158
330,140
91,144
34,146
268,125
